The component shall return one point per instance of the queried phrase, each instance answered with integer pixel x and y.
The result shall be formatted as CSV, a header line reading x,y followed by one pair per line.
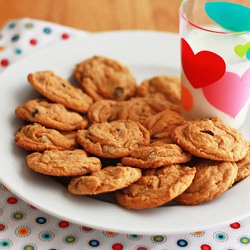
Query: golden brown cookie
x,y
105,78
155,157
60,90
163,87
211,139
243,167
139,109
107,179
36,137
104,110
161,125
63,163
156,187
211,180
113,140
51,115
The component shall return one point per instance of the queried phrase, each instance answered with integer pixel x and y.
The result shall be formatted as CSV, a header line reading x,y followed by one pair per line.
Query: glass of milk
x,y
215,72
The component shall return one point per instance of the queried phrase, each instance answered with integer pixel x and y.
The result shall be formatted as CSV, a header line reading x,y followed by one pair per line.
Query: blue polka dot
x,y
47,30
18,51
41,220
15,38
94,243
182,243
11,25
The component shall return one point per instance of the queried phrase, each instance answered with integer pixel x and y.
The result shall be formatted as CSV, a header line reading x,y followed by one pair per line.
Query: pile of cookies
x,y
159,156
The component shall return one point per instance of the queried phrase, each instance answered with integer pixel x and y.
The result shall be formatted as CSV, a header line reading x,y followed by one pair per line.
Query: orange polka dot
x,y
1,48
186,98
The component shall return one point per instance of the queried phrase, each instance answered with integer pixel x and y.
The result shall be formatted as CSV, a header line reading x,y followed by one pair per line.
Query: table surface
x,y
97,15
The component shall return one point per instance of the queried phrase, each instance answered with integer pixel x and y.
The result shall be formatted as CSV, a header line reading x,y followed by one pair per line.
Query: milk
x,y
224,45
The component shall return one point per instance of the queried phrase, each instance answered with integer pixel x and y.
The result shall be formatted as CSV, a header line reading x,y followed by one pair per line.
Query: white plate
x,y
147,54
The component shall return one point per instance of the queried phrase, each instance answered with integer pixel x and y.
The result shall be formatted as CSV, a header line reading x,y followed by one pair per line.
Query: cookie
x,y
211,139
108,179
139,109
163,87
243,167
113,140
104,110
155,157
161,125
211,180
60,90
51,115
156,187
63,163
36,137
105,78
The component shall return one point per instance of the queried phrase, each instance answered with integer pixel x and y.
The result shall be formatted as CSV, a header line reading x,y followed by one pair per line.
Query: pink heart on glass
x,y
230,93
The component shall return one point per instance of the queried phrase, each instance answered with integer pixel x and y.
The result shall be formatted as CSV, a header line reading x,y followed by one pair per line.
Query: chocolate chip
x,y
36,111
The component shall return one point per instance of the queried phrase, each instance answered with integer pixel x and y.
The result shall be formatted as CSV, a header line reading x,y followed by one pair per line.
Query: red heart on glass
x,y
203,68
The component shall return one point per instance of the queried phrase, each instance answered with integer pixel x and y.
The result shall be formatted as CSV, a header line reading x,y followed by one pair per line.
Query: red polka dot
x,y
33,42
4,62
12,200
205,247
63,224
65,36
117,246
235,225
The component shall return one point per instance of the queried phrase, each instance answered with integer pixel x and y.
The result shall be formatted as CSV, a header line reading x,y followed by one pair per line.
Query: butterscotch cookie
x,y
243,167
52,115
105,78
104,110
113,140
36,137
139,109
63,163
155,157
107,179
156,187
211,139
60,90
161,125
211,180
161,87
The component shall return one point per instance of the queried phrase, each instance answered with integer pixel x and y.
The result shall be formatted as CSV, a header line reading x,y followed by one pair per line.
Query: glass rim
x,y
182,15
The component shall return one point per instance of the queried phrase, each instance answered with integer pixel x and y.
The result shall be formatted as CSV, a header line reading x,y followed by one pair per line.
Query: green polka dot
x,y
11,25
18,51
244,240
29,25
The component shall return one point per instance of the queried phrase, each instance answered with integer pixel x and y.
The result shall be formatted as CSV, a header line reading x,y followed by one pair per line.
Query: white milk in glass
x,y
223,45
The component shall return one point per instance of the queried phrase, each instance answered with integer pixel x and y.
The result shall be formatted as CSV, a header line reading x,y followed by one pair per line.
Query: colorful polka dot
x,y
15,38
12,200
94,243
134,236
18,216
18,51
117,246
70,239
220,236
5,243
86,229
141,248
198,233
33,42
29,247
41,220
47,30
3,227
11,25
5,63
244,240
110,234
182,243
22,231
63,224
29,25
205,247
65,36
159,239
2,48
46,236
235,225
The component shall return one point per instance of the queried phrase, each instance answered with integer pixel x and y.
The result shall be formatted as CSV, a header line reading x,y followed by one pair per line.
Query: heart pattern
x,y
230,93
203,68
242,50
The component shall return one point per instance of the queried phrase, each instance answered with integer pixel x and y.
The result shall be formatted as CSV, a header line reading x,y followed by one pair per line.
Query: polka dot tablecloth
x,y
24,227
